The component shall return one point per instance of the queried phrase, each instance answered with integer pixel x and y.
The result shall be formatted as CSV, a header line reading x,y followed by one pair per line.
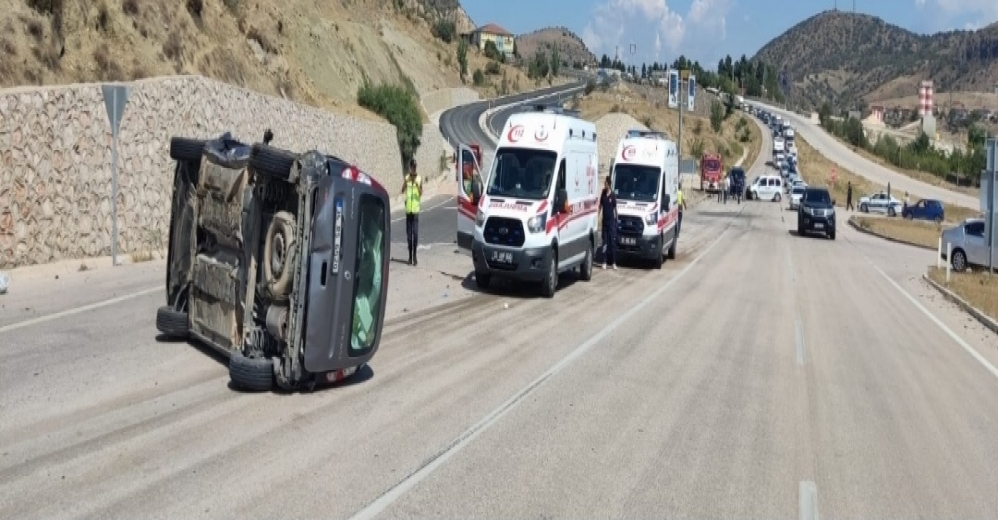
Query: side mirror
x,y
561,201
665,201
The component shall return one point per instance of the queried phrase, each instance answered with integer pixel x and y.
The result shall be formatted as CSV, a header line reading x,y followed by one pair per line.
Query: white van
x,y
766,187
536,217
645,179
778,146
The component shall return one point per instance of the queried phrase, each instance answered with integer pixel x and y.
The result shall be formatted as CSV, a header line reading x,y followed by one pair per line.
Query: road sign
x,y
115,99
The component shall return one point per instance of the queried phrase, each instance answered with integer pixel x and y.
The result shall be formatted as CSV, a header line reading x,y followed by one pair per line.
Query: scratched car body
x,y
277,260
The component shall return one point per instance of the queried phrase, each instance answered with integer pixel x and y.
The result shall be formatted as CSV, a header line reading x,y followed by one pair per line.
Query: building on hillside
x,y
503,39
877,113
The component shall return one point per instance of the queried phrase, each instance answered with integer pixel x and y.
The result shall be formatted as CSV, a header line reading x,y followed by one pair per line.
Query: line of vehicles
x,y
534,214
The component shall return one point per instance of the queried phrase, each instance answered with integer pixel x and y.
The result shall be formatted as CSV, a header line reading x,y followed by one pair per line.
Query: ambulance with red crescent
x,y
645,179
533,216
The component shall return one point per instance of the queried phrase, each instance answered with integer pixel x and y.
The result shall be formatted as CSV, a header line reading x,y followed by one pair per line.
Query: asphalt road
x,y
759,375
842,155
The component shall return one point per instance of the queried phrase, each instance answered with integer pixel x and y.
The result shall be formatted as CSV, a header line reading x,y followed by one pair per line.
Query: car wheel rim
x,y
959,262
277,258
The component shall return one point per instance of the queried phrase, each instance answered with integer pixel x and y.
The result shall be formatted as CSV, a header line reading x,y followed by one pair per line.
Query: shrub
x,y
399,106
590,86
716,116
492,68
445,30
478,78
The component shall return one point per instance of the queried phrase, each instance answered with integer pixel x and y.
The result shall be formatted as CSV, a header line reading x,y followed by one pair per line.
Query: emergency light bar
x,y
553,109
647,133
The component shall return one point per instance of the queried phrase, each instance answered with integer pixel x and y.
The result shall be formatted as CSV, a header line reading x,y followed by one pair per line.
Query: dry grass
x,y
913,232
816,170
977,288
317,53
696,130
141,256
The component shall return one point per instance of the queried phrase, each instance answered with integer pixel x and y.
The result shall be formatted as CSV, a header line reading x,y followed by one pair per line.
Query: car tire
x,y
907,216
831,236
586,269
777,198
959,261
938,220
550,282
280,234
171,323
891,212
272,162
863,208
184,149
253,374
660,257
672,248
482,280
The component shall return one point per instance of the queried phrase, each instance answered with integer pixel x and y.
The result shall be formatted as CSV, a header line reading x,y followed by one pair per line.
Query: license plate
x,y
818,225
628,241
502,257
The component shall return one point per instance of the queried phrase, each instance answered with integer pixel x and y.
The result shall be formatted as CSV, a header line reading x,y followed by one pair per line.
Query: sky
x,y
708,30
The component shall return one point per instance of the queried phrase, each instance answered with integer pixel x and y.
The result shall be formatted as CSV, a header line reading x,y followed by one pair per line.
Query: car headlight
x,y
537,223
651,219
480,218
807,210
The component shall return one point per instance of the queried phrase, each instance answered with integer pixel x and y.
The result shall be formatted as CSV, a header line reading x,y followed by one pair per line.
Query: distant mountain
x,y
844,57
570,47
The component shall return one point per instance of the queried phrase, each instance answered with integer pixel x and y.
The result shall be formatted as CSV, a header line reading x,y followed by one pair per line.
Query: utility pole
x,y
684,76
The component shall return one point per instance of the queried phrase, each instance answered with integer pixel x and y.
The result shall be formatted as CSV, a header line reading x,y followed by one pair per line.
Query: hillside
x,y
317,53
843,57
570,46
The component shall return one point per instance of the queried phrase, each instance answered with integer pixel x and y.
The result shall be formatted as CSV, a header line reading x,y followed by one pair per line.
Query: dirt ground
x,y
914,232
977,288
653,113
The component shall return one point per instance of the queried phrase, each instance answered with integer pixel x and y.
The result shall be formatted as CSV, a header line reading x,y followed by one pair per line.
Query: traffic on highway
x,y
284,360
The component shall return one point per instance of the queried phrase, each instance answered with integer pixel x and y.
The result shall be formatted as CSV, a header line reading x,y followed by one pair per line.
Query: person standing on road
x,y
412,189
849,197
682,205
608,207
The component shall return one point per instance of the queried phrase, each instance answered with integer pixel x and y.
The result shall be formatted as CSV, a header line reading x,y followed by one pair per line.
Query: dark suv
x,y
816,213
277,260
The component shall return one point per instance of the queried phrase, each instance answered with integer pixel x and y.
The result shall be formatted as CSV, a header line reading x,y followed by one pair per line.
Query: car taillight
x,y
354,174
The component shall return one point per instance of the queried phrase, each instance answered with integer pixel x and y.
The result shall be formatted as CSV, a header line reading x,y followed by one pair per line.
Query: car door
x,y
975,243
467,175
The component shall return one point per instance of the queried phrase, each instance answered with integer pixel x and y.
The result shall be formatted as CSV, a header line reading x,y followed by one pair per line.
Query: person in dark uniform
x,y
608,207
849,197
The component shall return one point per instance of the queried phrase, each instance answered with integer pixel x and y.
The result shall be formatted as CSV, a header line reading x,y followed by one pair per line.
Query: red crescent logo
x,y
628,152
515,133
541,134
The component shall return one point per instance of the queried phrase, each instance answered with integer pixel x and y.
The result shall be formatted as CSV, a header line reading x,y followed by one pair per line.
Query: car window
x,y
975,229
817,196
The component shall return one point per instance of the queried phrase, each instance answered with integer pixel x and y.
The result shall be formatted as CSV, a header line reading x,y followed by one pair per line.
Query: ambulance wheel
x,y
672,248
550,282
586,269
659,256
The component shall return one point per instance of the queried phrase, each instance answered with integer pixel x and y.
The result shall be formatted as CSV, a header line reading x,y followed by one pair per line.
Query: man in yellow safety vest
x,y
682,205
412,188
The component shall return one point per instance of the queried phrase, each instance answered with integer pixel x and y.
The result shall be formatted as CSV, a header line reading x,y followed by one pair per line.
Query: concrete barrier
x,y
55,154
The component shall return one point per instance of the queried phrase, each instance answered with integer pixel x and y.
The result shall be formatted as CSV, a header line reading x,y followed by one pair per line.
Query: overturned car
x,y
277,260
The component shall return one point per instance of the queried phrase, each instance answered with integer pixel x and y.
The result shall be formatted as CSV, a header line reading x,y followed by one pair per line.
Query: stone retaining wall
x,y
55,154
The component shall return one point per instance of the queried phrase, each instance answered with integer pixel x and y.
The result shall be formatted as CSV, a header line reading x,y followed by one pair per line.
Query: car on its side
x,y
816,212
969,243
277,260
925,209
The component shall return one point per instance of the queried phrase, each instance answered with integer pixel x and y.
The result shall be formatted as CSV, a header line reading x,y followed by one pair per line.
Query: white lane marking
x,y
464,439
807,500
959,341
77,310
800,342
431,208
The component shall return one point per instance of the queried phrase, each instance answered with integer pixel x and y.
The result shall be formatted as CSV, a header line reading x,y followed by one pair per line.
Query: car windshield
x,y
712,164
635,182
797,190
817,196
522,173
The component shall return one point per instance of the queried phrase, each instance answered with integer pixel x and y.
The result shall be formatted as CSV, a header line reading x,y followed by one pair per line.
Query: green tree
x,y
462,57
716,115
491,51
555,61
445,30
399,106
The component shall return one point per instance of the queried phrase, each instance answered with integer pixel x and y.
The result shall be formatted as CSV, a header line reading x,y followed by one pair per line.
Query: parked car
x,y
816,212
970,246
277,260
880,203
925,209
766,187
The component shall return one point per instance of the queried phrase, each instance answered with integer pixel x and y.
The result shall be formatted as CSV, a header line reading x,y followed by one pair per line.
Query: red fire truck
x,y
711,171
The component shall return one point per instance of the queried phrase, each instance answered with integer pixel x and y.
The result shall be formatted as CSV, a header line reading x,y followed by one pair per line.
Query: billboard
x,y
673,88
691,95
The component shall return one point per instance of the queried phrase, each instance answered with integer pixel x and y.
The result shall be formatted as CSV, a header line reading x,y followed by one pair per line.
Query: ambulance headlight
x,y
480,218
651,219
537,223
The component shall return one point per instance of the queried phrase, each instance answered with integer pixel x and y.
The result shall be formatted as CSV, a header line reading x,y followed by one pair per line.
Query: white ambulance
x,y
536,216
645,179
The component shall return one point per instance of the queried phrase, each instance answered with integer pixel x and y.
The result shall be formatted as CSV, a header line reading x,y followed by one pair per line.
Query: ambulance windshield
x,y
522,173
636,182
